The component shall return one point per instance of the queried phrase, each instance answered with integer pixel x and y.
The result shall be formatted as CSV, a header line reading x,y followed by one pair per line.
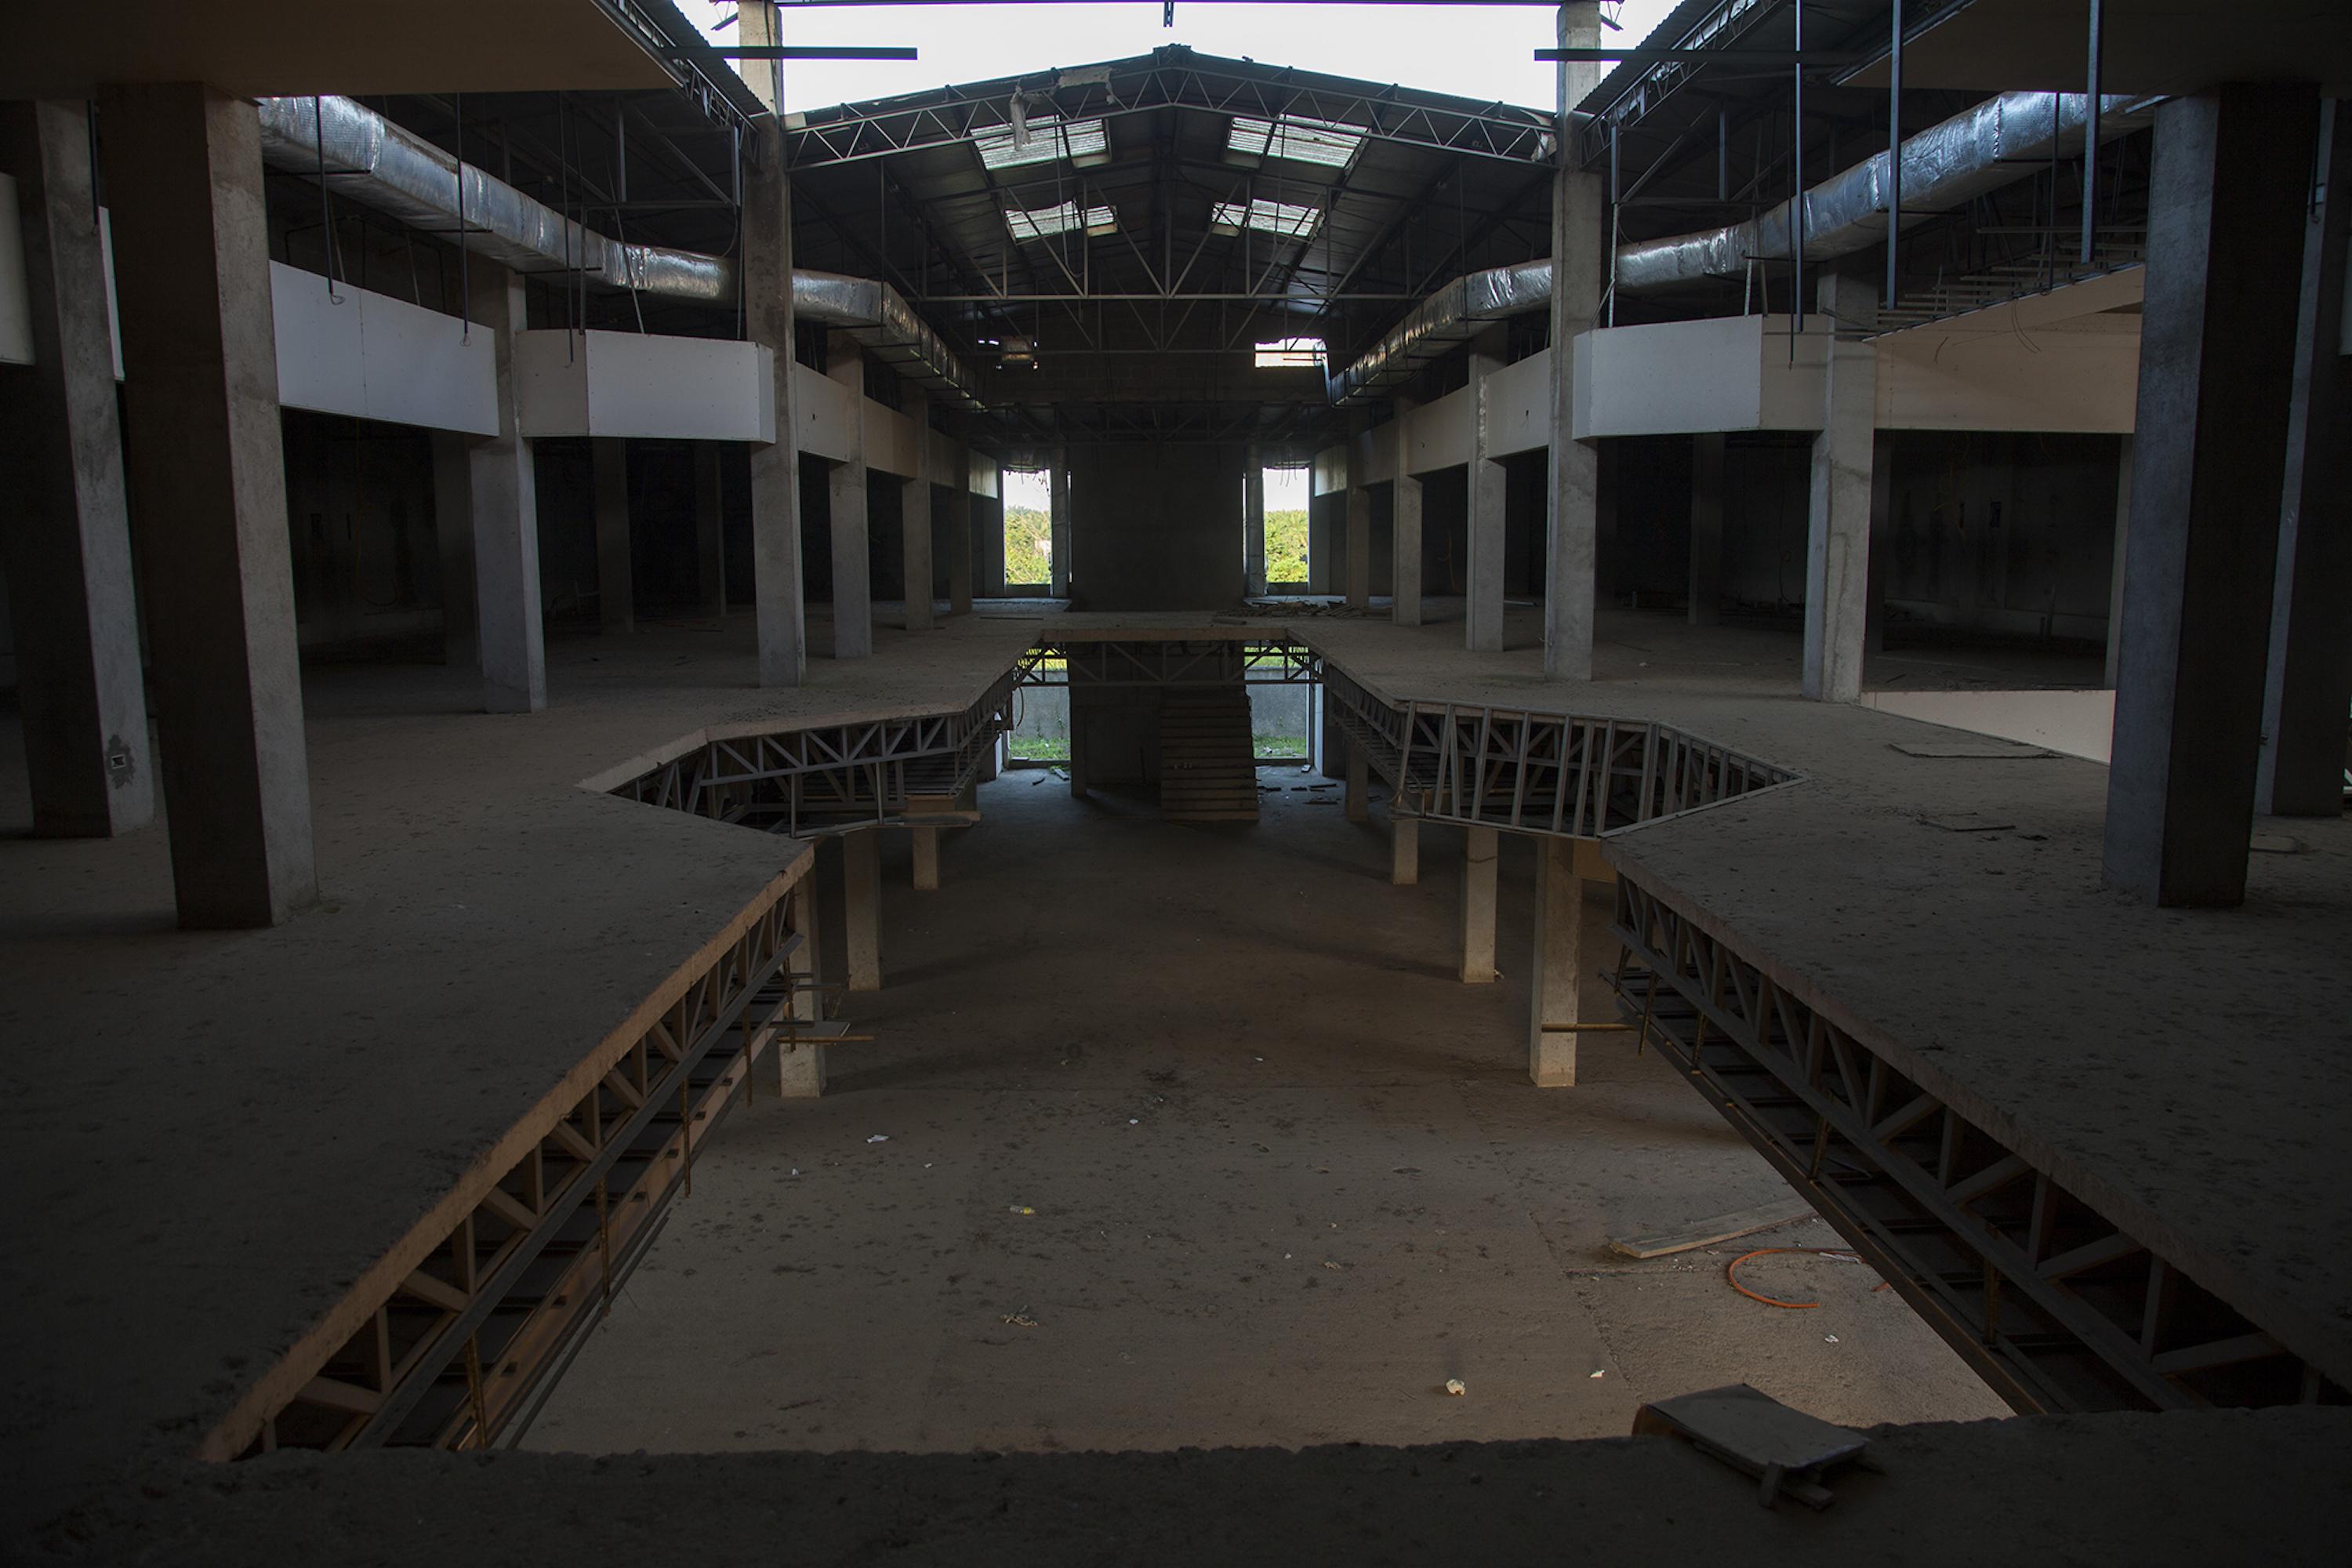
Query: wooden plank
x,y
1706,1232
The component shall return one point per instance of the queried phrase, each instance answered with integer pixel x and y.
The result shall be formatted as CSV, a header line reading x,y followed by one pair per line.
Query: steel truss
x,y
834,777
1493,131
452,1353
1527,772
1255,661
2053,1305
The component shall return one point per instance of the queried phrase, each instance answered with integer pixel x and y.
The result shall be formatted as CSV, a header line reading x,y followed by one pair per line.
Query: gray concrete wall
x,y
1156,528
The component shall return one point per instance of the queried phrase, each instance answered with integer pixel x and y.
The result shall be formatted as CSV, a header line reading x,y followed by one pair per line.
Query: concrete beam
x,y
72,601
778,582
861,907
1556,973
617,593
1837,536
2309,684
191,254
1479,848
2226,209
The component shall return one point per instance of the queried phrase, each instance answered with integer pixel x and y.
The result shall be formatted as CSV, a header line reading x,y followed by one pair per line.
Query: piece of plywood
x,y
1717,1227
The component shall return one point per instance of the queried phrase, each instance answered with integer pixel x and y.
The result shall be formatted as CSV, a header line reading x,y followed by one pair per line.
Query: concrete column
x,y
200,368
2228,188
1404,849
1360,516
1706,530
853,587
1579,267
1065,524
68,545
959,539
1252,522
1483,622
2122,554
1478,852
1837,536
617,593
808,1004
1358,798
926,859
2301,771
453,533
861,907
505,489
779,588
710,529
1404,525
1554,975
1332,747
915,521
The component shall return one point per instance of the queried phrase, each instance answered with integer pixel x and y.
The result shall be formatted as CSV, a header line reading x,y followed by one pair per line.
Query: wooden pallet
x,y
1208,765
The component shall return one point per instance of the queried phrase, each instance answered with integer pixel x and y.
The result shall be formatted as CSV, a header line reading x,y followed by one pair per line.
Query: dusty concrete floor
x,y
1288,1176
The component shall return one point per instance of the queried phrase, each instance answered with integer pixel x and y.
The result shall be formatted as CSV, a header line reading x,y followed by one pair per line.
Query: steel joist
x,y
2053,1304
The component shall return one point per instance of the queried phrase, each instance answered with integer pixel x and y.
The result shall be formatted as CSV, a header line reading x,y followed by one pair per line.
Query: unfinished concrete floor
x,y
1287,1174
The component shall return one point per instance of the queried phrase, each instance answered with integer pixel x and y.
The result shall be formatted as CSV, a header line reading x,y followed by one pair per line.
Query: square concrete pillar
x,y
1360,521
915,521
1837,535
778,586
1579,250
1253,523
926,859
453,536
2309,685
200,367
1483,620
808,1003
616,594
1706,607
1556,973
1065,523
503,485
853,587
2226,211
2122,551
68,545
1405,523
1404,851
861,907
1358,793
711,528
959,539
1479,850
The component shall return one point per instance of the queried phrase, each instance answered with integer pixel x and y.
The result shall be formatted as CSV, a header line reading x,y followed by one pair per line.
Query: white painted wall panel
x,y
890,440
645,385
821,407
322,358
1439,435
550,384
2079,723
424,368
1519,406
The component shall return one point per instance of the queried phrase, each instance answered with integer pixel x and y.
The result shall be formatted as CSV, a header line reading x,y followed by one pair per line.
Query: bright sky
x,y
1285,489
1480,52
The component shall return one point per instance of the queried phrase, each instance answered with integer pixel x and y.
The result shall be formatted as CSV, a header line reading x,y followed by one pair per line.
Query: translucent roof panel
x,y
1284,219
1323,142
1047,138
1042,223
1288,352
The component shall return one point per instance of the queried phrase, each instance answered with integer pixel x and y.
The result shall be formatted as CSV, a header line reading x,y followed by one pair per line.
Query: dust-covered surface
x,y
2212,1487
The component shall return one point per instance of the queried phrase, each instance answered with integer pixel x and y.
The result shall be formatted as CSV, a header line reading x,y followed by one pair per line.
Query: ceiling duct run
x,y
408,178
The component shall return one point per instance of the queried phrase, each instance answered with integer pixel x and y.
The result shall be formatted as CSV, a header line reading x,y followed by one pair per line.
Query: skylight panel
x,y
1044,223
1284,219
1041,140
1290,353
1300,141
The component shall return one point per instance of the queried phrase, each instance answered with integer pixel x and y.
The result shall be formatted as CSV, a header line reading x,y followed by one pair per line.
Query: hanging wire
x,y
326,214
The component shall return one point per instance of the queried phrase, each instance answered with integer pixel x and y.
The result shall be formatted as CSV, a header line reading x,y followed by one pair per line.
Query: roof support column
x,y
1579,252
1062,524
200,365
779,588
1253,523
1554,979
502,485
959,537
1837,534
2310,682
1359,520
2226,209
71,596
1483,616
915,521
1404,525
852,569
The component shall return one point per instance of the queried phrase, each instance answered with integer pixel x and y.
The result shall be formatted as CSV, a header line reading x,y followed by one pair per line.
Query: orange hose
x,y
1731,1274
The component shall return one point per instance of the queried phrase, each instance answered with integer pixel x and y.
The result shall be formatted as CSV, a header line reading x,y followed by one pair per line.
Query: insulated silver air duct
x,y
408,178
1446,320
1946,166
